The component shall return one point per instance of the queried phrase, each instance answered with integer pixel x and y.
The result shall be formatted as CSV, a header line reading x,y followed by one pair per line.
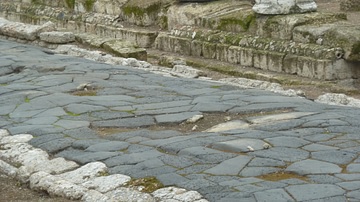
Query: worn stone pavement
x,y
313,152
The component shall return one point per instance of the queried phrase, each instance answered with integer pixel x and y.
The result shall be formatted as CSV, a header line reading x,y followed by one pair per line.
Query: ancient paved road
x,y
313,154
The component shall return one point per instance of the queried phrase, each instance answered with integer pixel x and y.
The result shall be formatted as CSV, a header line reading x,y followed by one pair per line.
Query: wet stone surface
x,y
279,149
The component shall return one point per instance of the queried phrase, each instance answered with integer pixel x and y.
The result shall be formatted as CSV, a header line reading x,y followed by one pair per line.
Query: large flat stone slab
x,y
314,191
230,167
125,49
231,125
310,166
239,145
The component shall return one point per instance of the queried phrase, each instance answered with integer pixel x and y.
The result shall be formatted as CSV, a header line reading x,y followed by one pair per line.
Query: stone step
x,y
303,59
282,26
344,35
234,16
120,48
95,23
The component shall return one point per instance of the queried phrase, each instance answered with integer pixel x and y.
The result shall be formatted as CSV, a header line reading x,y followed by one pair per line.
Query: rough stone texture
x,y
240,145
184,24
57,37
350,5
284,6
310,138
124,49
85,183
231,125
309,166
314,191
24,31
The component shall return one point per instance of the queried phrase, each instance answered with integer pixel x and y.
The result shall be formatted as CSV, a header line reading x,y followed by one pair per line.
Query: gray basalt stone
x,y
309,166
314,191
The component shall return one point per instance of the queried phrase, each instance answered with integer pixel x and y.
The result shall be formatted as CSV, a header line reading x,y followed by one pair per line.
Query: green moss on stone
x,y
70,4
89,4
35,2
163,22
140,12
356,48
149,184
244,23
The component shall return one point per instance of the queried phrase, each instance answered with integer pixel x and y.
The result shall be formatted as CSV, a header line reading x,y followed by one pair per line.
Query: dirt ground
x,y
12,191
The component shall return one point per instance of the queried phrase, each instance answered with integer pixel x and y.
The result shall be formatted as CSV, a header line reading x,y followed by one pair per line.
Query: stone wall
x,y
314,45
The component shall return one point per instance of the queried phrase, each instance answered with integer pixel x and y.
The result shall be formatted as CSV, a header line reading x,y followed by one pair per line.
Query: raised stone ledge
x,y
266,44
307,60
57,37
104,25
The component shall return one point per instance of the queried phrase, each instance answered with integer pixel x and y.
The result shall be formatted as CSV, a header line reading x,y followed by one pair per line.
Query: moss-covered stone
x,y
282,26
236,22
125,49
89,4
70,4
146,13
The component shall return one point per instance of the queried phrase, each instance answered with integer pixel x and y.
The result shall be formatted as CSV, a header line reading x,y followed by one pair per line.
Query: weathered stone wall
x,y
314,45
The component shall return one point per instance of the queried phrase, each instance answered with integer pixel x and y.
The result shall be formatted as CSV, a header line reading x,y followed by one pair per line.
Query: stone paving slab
x,y
280,149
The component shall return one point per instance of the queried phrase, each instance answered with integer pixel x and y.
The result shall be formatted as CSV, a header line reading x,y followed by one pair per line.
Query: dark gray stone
x,y
282,154
239,181
334,156
273,195
293,142
126,122
212,107
196,184
82,133
350,186
152,172
133,158
88,157
324,179
83,144
265,162
108,146
230,167
177,161
318,147
57,145
196,168
353,168
36,141
171,179
314,191
354,195
348,177
175,118
258,171
310,166
83,108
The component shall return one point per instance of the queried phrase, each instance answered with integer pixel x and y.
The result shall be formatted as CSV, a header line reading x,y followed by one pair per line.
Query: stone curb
x,y
62,178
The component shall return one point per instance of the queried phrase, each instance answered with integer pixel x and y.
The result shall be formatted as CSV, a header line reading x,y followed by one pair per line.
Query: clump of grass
x,y
149,184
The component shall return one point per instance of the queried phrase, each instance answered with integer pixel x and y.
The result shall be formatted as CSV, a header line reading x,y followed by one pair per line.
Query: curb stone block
x,y
57,37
